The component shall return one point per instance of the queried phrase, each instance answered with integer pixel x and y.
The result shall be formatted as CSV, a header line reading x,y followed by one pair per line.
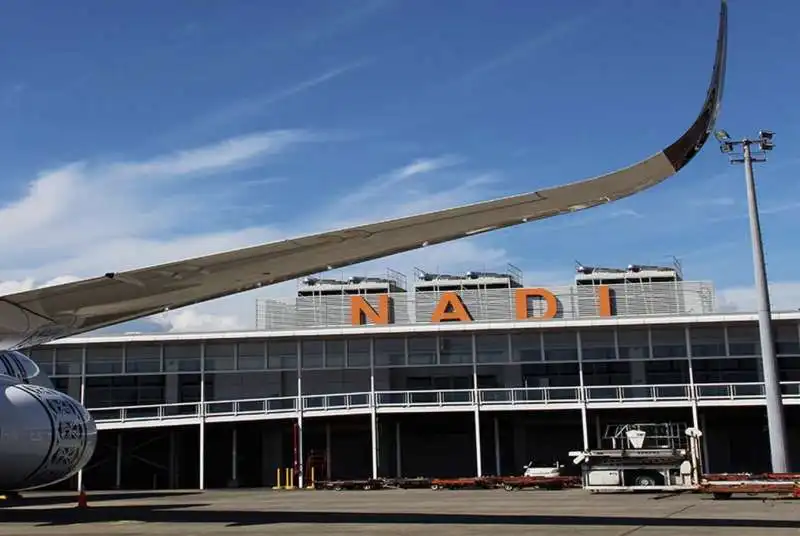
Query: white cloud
x,y
724,201
105,211
86,219
784,296
248,108
230,153
395,179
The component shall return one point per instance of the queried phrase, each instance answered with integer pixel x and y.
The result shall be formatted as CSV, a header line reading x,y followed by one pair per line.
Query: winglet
x,y
685,148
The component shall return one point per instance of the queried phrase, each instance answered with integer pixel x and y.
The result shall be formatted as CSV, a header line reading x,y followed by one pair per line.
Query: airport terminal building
x,y
452,375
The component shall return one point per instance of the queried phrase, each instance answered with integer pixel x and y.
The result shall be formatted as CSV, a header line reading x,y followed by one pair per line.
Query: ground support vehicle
x,y
642,457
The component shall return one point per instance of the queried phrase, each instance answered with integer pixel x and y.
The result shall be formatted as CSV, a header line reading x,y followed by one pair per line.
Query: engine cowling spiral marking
x,y
69,437
12,366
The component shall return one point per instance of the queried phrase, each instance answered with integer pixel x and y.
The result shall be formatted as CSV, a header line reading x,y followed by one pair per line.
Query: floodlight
x,y
765,134
726,147
722,135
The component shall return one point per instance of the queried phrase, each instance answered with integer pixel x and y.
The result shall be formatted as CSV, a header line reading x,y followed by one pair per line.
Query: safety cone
x,y
83,502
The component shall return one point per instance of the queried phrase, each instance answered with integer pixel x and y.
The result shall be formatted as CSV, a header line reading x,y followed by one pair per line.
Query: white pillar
x,y
478,462
202,462
118,481
585,427
373,424
497,467
83,402
476,402
234,445
584,402
398,452
692,390
328,451
300,464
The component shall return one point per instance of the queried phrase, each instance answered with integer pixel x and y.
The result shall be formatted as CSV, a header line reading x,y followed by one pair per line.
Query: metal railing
x,y
444,400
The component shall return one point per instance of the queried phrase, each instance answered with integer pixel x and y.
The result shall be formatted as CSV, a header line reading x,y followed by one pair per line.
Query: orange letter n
x,y
450,307
361,311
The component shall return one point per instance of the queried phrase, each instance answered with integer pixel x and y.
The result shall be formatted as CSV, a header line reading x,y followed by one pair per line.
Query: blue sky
x,y
142,132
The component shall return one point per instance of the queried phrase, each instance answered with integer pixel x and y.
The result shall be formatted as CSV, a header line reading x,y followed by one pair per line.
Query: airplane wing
x,y
37,316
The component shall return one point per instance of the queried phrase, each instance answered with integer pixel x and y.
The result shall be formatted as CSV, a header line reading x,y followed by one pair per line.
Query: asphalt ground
x,y
407,512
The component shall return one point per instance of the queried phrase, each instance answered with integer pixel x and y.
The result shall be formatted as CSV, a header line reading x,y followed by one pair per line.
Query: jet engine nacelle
x,y
45,435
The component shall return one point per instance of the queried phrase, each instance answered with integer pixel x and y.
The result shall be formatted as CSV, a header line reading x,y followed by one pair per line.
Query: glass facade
x,y
146,372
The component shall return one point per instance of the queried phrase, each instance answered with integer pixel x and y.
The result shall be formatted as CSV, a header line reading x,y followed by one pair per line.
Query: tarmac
x,y
407,512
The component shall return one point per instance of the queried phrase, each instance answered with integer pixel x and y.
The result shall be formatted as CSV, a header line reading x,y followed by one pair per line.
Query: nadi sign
x,y
451,308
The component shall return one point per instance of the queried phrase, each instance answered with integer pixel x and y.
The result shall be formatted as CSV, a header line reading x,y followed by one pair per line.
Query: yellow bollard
x,y
277,479
289,478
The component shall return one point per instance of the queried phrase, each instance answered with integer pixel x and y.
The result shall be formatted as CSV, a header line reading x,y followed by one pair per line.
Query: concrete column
x,y
118,480
497,465
234,456
398,452
328,451
706,462
598,431
173,454
638,372
520,442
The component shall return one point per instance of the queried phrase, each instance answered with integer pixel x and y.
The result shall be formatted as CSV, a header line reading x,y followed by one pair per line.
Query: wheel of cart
x,y
645,480
436,487
552,485
510,487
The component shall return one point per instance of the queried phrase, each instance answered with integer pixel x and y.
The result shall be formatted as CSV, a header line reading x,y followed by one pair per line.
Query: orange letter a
x,y
450,307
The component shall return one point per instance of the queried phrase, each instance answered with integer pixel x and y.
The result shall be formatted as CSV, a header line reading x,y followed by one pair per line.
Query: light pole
x,y
769,363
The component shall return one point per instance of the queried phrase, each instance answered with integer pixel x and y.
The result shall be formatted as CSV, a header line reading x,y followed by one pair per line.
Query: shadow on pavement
x,y
178,514
71,498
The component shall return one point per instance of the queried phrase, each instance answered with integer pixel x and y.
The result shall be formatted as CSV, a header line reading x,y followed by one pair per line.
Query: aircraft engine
x,y
45,435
